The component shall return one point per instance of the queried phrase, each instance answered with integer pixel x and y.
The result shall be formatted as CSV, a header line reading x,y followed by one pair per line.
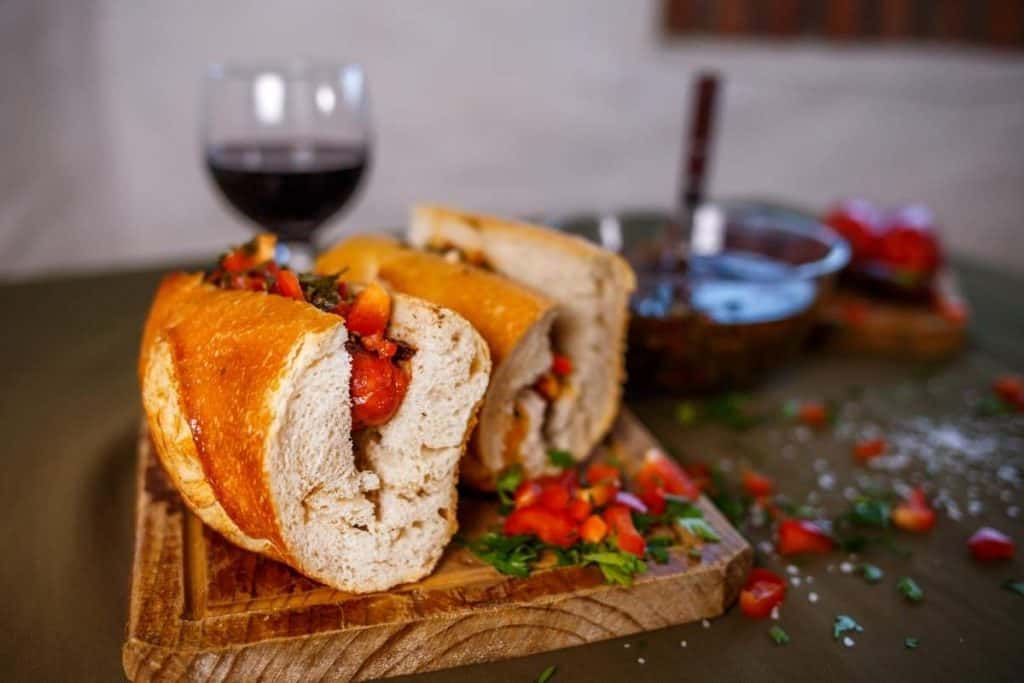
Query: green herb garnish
x,y
1014,586
657,548
616,566
910,590
843,624
512,555
546,674
778,635
321,290
699,527
870,572
870,512
506,487
562,459
911,643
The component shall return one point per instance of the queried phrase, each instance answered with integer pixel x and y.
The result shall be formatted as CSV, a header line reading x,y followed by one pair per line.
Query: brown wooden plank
x,y
844,19
680,16
1006,22
734,17
896,18
950,20
202,609
780,17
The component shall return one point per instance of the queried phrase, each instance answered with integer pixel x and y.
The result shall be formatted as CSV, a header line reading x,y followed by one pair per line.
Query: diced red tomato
x,y
799,536
757,484
248,256
599,495
287,284
556,528
813,414
554,496
869,449
858,221
619,519
660,475
527,494
561,365
988,544
377,387
908,242
914,514
593,529
700,474
385,348
1010,388
629,500
580,509
370,311
600,472
763,591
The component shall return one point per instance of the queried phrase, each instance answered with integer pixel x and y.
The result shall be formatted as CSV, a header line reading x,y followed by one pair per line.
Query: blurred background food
x,y
525,107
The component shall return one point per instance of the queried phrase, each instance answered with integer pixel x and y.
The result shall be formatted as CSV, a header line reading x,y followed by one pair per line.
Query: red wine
x,y
288,188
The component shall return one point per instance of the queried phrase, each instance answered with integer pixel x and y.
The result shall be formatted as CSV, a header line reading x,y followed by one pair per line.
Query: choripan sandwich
x,y
591,286
315,421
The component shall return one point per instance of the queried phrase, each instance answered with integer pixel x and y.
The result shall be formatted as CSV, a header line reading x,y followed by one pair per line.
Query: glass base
x,y
299,256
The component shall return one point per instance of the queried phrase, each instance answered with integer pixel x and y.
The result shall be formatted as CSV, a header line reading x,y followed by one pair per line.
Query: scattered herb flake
x,y
512,555
911,643
546,674
843,624
562,459
506,486
910,590
778,634
1014,586
616,566
657,548
870,512
870,572
699,527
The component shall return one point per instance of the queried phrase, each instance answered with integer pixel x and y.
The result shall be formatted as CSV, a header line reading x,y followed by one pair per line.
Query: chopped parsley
x,y
911,643
657,548
870,572
910,590
1014,586
778,634
562,459
616,566
321,290
843,624
506,486
699,527
511,555
546,674
871,512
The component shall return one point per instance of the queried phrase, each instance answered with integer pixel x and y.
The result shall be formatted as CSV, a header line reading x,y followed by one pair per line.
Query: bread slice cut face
x,y
247,399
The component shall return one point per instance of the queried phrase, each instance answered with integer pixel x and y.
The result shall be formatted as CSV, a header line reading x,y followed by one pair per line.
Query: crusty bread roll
x,y
591,286
247,399
515,322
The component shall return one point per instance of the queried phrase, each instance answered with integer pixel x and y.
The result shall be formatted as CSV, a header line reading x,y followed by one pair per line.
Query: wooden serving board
x,y
925,331
201,608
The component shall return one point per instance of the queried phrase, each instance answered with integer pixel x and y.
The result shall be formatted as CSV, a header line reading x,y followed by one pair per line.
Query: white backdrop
x,y
506,106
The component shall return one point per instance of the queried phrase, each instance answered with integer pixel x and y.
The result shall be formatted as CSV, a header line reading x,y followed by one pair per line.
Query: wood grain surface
x,y
930,331
202,609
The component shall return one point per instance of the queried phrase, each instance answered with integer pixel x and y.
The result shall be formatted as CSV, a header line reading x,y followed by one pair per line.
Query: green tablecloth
x,y
69,412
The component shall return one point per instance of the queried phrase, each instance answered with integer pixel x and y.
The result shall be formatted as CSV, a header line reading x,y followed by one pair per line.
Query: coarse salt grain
x,y
625,645
775,612
705,623
812,598
795,581
846,567
641,660
792,570
809,579
682,643
848,641
1013,511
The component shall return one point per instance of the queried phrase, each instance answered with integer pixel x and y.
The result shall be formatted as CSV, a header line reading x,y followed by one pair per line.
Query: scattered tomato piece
x,y
859,222
763,591
527,494
554,496
600,472
988,544
580,509
1010,388
869,449
594,529
599,495
561,365
370,312
700,475
660,475
287,284
556,528
380,345
798,536
757,484
914,514
813,414
619,519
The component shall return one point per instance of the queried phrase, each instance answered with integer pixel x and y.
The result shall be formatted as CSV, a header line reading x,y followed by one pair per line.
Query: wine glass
x,y
288,144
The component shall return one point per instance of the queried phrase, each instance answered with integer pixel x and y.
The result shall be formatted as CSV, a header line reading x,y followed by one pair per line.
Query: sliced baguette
x,y
591,286
247,399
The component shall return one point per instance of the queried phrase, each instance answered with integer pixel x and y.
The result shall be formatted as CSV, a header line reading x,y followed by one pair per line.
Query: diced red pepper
x,y
629,500
988,544
620,520
556,528
377,387
580,509
287,284
914,514
799,536
370,311
527,494
600,472
813,414
554,496
757,484
869,449
763,591
561,365
594,529
1010,388
660,475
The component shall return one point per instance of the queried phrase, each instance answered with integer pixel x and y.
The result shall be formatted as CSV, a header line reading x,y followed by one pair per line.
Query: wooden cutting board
x,y
930,331
201,608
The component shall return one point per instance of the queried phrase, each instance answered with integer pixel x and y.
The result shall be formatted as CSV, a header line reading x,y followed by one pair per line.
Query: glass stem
x,y
299,256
